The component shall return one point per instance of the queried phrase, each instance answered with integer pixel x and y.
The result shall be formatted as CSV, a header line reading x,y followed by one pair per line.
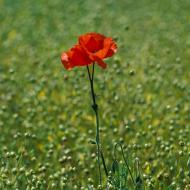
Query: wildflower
x,y
92,47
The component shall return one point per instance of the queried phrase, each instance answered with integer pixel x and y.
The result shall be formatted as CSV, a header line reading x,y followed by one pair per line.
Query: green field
x,y
46,120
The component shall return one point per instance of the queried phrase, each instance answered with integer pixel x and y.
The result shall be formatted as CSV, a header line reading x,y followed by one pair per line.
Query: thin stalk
x,y
95,108
93,66
104,164
125,160
127,165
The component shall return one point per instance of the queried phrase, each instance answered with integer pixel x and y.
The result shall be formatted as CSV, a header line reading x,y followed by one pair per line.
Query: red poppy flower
x,y
98,47
75,57
92,47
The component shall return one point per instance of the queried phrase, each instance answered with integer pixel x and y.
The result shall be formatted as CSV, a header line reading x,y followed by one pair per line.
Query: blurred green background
x,y
46,119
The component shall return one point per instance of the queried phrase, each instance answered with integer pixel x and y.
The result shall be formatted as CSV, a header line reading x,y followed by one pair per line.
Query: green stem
x,y
95,108
104,164
125,160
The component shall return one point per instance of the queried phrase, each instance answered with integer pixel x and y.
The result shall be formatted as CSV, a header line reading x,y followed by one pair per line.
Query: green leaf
x,y
139,183
91,141
115,166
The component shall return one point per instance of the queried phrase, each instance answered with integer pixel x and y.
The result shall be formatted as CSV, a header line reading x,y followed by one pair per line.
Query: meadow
x,y
46,119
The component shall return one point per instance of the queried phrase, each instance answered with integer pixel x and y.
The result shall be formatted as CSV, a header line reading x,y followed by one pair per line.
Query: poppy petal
x,y
76,56
100,62
65,61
